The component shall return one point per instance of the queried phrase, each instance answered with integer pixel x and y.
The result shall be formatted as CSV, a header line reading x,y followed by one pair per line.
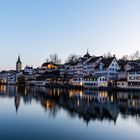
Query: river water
x,y
50,114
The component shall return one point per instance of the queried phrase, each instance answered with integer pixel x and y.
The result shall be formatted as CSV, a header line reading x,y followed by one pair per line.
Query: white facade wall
x,y
28,70
76,70
102,82
133,76
111,72
83,68
96,82
122,84
77,81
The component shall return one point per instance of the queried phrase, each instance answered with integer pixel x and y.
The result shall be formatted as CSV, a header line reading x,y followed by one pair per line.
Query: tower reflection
x,y
88,104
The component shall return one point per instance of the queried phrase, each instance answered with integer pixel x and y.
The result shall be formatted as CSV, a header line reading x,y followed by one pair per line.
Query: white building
x,y
122,83
63,71
91,82
77,81
107,67
75,69
28,70
84,66
95,82
133,78
90,64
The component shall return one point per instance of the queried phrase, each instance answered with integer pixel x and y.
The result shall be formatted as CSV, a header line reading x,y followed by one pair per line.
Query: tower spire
x,y
19,61
19,64
87,51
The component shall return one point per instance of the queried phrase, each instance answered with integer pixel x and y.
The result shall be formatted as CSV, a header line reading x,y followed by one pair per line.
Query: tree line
x,y
133,56
73,58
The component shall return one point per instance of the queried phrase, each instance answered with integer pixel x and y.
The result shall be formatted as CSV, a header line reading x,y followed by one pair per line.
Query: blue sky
x,y
37,28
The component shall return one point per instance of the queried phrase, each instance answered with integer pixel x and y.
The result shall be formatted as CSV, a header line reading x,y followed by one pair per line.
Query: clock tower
x,y
18,65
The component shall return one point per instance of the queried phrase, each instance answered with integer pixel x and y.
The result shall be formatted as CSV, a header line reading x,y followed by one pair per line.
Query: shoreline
x,y
79,87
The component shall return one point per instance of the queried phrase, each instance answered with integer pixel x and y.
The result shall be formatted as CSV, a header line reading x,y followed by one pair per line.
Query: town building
x,y
95,82
107,67
50,66
122,83
90,64
28,70
84,66
76,69
133,78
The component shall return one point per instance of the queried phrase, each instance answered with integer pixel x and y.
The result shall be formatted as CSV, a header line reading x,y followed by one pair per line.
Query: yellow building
x,y
49,65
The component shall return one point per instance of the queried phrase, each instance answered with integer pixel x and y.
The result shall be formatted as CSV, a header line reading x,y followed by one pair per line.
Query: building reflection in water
x,y
17,102
88,104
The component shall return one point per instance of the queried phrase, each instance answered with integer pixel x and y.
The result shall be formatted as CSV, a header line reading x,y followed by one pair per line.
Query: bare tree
x,y
131,57
72,58
47,60
136,55
107,55
125,57
54,58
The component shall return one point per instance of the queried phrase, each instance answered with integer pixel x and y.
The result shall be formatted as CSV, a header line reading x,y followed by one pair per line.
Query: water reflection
x,y
88,105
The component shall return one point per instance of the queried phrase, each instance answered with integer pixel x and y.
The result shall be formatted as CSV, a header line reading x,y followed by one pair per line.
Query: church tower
x,y
87,55
18,65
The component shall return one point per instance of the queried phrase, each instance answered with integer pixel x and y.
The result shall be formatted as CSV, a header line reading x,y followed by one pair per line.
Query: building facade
x,y
107,67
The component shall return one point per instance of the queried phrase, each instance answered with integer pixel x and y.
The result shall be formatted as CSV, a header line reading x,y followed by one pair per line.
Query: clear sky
x,y
37,28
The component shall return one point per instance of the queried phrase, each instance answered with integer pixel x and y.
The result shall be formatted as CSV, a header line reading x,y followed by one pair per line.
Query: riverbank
x,y
67,86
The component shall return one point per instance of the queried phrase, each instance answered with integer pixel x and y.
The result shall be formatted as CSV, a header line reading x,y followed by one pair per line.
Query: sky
x,y
37,28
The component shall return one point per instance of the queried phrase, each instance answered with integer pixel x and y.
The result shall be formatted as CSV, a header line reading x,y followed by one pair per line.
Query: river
x,y
40,113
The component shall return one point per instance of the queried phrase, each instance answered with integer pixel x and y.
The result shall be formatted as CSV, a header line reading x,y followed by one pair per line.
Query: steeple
x,y
19,61
18,64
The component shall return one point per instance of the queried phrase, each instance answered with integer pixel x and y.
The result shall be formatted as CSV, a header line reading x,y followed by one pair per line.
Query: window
x,y
132,78
138,77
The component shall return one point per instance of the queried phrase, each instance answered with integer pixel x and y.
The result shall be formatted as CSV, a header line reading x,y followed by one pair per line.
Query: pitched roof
x,y
133,63
93,59
74,63
134,70
106,62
